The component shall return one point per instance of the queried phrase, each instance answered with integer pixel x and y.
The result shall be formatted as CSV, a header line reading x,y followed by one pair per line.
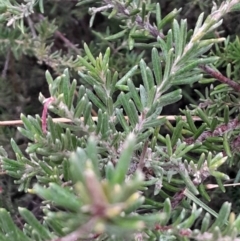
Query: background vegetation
x,y
40,36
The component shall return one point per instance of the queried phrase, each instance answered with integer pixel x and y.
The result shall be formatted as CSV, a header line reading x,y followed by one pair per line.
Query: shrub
x,y
127,173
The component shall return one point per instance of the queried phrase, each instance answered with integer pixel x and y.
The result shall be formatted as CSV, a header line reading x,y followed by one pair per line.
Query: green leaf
x,y
217,161
168,66
143,96
99,121
89,54
54,225
105,129
188,222
66,170
72,93
135,95
8,225
203,116
13,164
88,66
185,150
226,145
59,195
134,113
117,35
81,92
64,85
201,161
167,209
95,100
92,20
223,215
114,81
15,148
177,132
151,98
101,93
157,66
198,24
87,113
35,224
226,114
124,160
199,131
48,77
143,8
122,120
27,124
169,145
91,151
109,169
190,122
88,79
163,47
144,136
108,80
46,168
177,38
41,6
205,223
143,67
187,180
113,13
77,164
191,65
203,192
199,202
187,80
130,109
170,98
128,75
168,18
152,123
54,130
158,14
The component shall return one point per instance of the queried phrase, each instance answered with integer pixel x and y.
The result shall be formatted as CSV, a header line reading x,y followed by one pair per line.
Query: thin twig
x,y
67,42
31,26
142,157
63,38
220,130
220,77
6,64
211,186
94,118
177,198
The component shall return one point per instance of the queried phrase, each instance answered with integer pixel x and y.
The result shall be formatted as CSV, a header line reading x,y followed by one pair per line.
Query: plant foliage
x,y
118,175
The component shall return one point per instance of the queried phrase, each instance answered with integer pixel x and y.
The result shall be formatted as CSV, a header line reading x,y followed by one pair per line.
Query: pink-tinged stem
x,y
47,102
220,77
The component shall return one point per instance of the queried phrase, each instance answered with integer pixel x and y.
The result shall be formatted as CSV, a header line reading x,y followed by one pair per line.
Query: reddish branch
x,y
177,198
63,38
141,163
219,131
220,77
47,102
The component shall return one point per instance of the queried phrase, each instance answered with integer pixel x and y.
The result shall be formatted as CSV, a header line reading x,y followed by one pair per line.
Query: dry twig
x,y
65,120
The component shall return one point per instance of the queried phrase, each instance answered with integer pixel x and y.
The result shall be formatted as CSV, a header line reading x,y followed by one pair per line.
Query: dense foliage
x,y
115,168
